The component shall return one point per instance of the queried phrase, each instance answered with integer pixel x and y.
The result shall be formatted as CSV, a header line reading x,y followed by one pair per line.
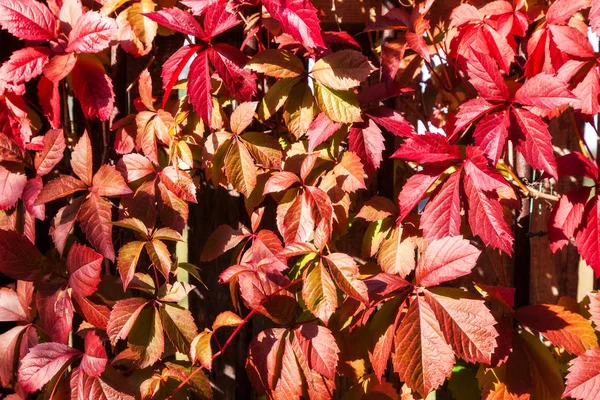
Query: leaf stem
x,y
234,333
527,190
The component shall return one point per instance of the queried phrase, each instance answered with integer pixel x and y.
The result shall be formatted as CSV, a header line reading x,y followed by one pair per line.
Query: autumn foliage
x,y
365,280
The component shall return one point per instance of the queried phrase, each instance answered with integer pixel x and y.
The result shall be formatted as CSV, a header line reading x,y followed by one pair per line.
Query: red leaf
x,y
81,159
200,87
94,359
320,130
42,363
11,187
59,187
594,16
587,239
391,120
466,323
478,169
561,327
219,19
583,378
28,19
470,111
49,97
297,18
25,64
108,182
491,133
172,69
544,91
426,148
95,314
95,219
93,88
229,63
416,187
55,311
562,10
441,216
178,20
368,142
19,258
122,317
446,259
486,78
486,218
535,142
199,6
85,266
86,387
566,217
576,164
92,33
422,357
319,348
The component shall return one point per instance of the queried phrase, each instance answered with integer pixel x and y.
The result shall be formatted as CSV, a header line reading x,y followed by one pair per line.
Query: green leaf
x,y
179,326
275,98
300,110
239,168
342,70
338,105
277,63
146,337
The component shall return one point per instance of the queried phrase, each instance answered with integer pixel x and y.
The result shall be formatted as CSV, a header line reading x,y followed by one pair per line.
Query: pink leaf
x,y
59,187
535,142
95,220
25,64
566,217
486,218
94,359
319,348
11,187
544,91
10,306
42,363
54,147
583,378
320,130
441,216
28,19
110,183
426,148
92,33
446,259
